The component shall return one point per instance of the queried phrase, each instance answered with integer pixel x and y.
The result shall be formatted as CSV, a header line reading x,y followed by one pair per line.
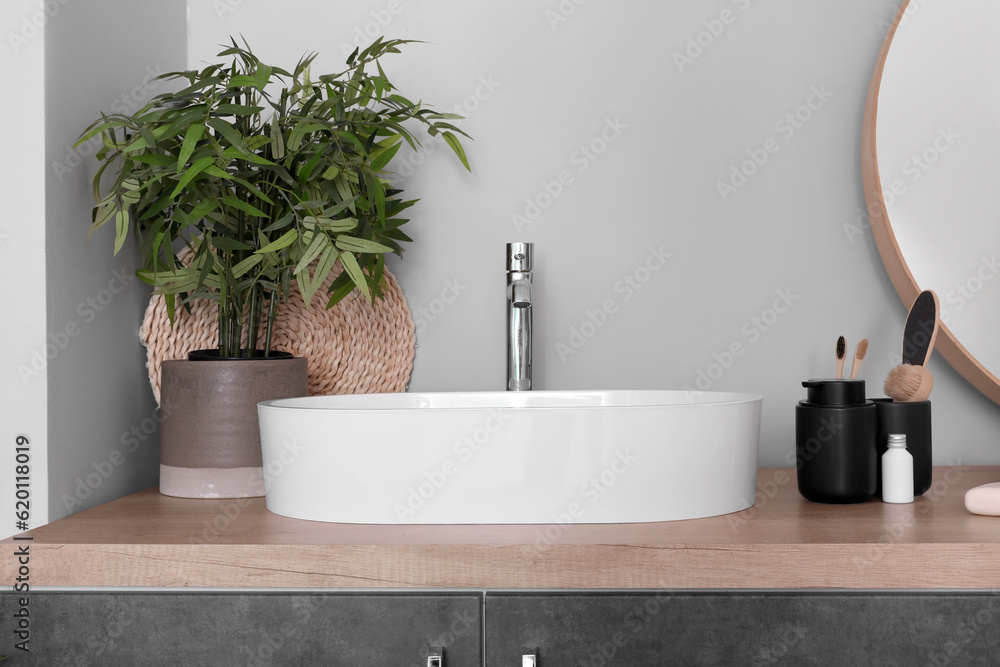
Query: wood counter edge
x,y
782,566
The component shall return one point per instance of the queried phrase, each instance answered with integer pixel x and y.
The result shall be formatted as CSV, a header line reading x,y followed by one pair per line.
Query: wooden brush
x,y
911,381
841,353
859,356
908,383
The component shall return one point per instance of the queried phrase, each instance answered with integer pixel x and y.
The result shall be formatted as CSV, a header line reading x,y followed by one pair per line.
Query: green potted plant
x,y
265,176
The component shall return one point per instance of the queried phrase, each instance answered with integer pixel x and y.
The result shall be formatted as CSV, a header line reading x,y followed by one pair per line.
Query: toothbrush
x,y
841,353
859,356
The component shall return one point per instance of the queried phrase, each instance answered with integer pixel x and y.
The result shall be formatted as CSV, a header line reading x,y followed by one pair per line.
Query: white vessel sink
x,y
535,457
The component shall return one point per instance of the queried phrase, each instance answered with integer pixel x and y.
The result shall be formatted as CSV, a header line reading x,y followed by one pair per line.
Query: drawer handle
x,y
435,658
529,656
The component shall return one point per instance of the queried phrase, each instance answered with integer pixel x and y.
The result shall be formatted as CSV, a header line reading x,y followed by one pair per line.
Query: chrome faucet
x,y
519,316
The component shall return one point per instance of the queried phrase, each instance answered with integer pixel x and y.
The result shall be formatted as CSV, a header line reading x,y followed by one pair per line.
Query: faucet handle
x,y
519,256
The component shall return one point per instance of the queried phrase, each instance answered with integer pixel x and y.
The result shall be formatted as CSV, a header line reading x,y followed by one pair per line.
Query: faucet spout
x,y
519,266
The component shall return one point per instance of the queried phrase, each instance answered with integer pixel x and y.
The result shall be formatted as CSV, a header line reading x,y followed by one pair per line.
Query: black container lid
x,y
835,392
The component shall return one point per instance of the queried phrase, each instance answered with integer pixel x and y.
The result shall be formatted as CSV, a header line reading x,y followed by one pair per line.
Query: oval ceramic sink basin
x,y
535,457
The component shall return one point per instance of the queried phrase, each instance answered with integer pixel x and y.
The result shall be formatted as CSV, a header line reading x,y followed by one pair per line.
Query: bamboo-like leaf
x,y
319,243
285,240
235,153
230,134
236,110
226,243
339,207
345,190
306,169
331,225
203,208
242,80
456,146
351,266
277,140
241,268
153,159
191,139
121,229
192,172
376,194
379,163
97,129
341,286
306,288
354,244
263,75
229,200
353,139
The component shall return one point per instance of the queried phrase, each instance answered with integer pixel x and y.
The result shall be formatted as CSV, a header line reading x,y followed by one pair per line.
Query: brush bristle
x,y
841,347
862,349
906,383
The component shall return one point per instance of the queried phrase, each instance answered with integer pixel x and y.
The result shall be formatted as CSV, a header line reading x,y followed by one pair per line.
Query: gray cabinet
x,y
669,628
571,629
247,629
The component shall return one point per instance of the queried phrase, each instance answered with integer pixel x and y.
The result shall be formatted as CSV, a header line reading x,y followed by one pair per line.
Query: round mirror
x,y
931,170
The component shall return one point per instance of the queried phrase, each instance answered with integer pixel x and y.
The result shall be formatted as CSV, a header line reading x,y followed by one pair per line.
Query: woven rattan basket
x,y
355,347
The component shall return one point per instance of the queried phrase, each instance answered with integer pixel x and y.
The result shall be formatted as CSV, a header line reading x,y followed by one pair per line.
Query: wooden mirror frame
x,y
895,264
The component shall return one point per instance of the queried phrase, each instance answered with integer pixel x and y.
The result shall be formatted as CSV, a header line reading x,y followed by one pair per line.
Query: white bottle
x,y
897,471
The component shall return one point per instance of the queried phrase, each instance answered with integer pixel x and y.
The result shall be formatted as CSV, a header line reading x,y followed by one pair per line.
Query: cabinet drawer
x,y
247,628
664,628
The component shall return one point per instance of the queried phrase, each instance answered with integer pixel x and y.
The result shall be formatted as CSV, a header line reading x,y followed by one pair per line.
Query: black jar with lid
x,y
835,450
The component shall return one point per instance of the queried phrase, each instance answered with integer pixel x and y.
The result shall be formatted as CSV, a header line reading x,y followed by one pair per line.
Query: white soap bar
x,y
984,499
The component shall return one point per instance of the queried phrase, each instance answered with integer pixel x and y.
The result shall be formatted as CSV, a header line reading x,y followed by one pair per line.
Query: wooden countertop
x,y
784,541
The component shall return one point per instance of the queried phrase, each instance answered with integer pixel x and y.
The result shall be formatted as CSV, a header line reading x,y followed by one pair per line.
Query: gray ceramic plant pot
x,y
209,438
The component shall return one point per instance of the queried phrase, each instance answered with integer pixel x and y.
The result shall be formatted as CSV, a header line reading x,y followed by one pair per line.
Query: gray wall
x,y
101,420
535,89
